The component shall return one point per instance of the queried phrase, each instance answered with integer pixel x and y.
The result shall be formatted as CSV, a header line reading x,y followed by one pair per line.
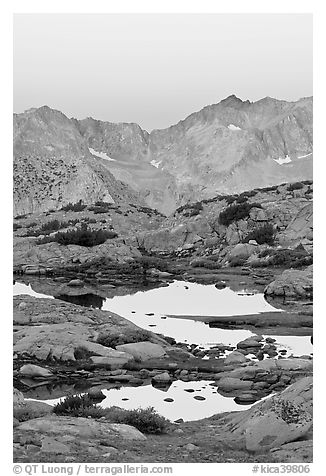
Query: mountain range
x,y
227,147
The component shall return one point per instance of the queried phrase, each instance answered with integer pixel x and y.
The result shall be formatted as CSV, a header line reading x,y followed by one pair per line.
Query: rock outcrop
x,y
199,225
292,283
81,428
68,333
277,420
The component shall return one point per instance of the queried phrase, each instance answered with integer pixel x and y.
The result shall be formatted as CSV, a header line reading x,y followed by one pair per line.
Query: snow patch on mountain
x,y
283,160
232,127
101,155
303,156
156,163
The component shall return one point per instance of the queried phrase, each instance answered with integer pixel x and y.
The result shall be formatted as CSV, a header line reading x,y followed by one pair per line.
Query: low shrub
x,y
128,337
146,420
236,212
149,211
307,182
147,262
101,207
99,203
190,209
262,234
83,236
242,199
23,414
79,406
294,186
31,225
74,207
208,263
51,226
287,258
237,261
249,194
230,199
16,226
81,353
289,412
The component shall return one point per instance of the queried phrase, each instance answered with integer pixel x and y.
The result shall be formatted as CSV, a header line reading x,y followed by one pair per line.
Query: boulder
x,y
76,282
82,428
163,377
242,251
282,423
295,452
96,393
301,392
235,358
18,398
293,283
142,351
32,371
115,361
276,420
228,384
35,409
249,343
295,364
52,445
60,341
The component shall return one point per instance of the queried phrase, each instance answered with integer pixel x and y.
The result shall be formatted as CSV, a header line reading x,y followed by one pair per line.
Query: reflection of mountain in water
x,y
86,300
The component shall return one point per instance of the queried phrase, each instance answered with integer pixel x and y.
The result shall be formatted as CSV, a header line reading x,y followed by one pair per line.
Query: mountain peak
x,y
233,101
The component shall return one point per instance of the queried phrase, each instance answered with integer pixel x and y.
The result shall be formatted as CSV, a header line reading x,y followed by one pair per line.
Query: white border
x,y
167,6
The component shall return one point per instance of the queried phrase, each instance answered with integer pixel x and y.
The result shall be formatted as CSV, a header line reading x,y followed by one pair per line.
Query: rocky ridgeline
x,y
232,146
227,147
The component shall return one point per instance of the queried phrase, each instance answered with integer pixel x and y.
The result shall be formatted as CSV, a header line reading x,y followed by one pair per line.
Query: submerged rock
x,y
112,362
230,383
142,351
31,371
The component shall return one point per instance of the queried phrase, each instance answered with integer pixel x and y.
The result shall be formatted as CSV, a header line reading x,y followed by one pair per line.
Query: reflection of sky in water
x,y
296,345
20,288
198,299
184,405
182,298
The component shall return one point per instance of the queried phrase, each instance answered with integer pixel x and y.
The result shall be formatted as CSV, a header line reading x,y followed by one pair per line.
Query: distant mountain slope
x,y
236,145
227,147
53,165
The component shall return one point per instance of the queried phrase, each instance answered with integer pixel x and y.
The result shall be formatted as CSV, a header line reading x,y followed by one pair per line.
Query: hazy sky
x,y
155,69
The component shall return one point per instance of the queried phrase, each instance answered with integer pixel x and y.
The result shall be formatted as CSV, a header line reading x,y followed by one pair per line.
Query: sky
x,y
156,69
